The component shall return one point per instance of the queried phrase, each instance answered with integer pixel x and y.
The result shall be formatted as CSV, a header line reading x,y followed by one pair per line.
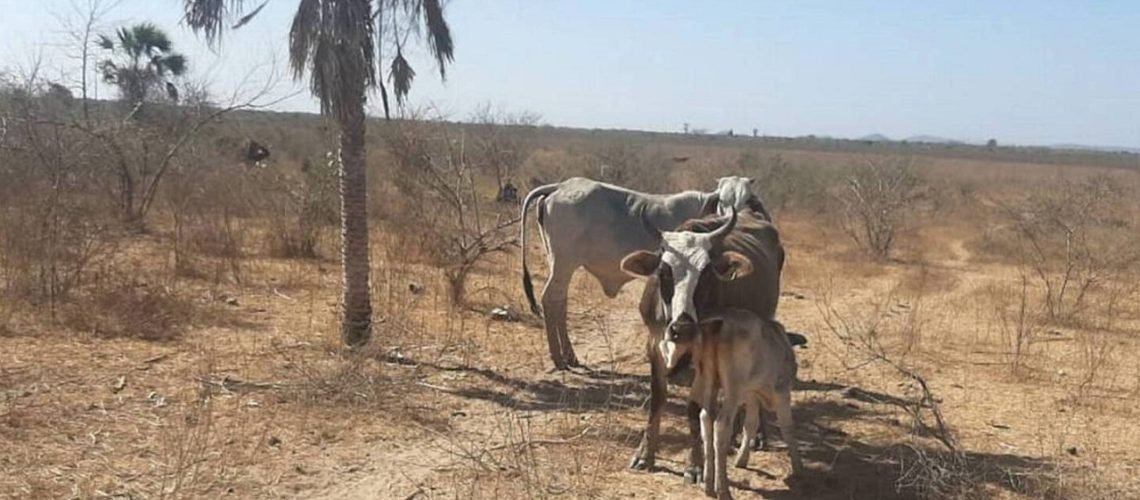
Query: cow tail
x,y
536,195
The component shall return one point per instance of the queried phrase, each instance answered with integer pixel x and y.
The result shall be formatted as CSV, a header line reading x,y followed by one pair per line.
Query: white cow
x,y
593,225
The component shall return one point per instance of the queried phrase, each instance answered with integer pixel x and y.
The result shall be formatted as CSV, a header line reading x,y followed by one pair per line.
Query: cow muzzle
x,y
682,329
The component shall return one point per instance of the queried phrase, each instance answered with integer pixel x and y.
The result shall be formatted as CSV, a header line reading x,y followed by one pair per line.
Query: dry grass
x,y
201,359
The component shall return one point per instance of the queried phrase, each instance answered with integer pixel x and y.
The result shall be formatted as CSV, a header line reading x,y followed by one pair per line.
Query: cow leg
x,y
554,297
783,404
646,455
751,421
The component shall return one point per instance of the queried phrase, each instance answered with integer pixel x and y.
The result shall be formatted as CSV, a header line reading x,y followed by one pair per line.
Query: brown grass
x,y
201,359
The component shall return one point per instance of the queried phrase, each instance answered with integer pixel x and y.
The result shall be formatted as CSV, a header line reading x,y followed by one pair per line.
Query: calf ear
x,y
640,263
712,324
731,265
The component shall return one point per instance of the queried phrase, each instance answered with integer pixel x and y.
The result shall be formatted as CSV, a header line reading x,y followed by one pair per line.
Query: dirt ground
x,y
254,399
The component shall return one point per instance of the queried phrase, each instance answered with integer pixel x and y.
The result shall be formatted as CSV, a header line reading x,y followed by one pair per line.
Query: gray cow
x,y
590,224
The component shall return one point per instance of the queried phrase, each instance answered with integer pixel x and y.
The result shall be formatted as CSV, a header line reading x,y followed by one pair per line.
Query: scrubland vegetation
x,y
169,328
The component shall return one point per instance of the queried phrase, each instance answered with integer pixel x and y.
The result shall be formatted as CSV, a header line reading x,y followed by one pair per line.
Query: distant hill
x,y
1103,149
932,139
875,138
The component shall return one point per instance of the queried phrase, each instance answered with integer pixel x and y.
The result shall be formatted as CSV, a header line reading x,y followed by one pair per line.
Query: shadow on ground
x,y
840,466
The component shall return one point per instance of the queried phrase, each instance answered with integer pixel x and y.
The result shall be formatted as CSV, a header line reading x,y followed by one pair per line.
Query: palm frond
x,y
175,63
303,36
402,75
438,35
150,38
106,43
210,16
249,17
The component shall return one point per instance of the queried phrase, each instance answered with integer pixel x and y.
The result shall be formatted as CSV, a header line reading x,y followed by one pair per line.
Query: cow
x,y
591,224
751,360
703,265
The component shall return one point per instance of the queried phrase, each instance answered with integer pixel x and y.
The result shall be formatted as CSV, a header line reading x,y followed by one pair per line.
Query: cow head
x,y
733,192
687,266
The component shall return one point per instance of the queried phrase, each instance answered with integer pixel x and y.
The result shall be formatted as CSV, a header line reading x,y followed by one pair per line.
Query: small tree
x,y
1073,238
455,229
991,144
142,57
879,200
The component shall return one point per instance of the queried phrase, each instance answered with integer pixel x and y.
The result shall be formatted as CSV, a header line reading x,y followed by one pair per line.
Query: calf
x,y
751,360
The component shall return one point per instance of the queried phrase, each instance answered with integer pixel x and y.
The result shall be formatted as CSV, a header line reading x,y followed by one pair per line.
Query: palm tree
x,y
142,58
340,44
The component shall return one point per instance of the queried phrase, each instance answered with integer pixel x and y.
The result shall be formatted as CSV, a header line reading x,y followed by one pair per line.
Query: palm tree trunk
x,y
356,326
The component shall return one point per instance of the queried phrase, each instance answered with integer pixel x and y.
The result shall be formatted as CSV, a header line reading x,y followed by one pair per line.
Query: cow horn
x,y
719,233
649,227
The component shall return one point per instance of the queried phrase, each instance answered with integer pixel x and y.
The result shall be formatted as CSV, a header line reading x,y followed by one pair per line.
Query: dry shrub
x,y
501,142
55,229
880,200
784,185
128,309
446,217
626,164
938,475
884,334
1017,322
547,166
209,236
1075,239
301,210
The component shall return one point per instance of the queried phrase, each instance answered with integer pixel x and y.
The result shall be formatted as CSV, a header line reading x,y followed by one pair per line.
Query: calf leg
x,y
693,472
554,296
646,453
751,421
783,400
723,442
763,437
708,429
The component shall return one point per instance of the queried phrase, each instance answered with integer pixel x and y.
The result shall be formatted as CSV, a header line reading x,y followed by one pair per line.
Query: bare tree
x,y
437,172
879,200
1073,238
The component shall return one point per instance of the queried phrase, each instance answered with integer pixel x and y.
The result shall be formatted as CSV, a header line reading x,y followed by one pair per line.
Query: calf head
x,y
688,267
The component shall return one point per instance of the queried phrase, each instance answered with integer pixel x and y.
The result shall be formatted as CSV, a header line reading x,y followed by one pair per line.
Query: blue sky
x,y
1021,71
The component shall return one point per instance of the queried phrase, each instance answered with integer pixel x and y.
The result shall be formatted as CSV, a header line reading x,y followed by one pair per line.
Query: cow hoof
x,y
741,462
693,474
641,463
760,444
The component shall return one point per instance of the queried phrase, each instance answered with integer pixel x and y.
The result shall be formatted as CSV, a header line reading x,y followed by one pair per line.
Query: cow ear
x,y
640,263
731,265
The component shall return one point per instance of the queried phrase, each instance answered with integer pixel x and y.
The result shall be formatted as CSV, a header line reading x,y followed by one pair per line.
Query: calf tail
x,y
536,195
